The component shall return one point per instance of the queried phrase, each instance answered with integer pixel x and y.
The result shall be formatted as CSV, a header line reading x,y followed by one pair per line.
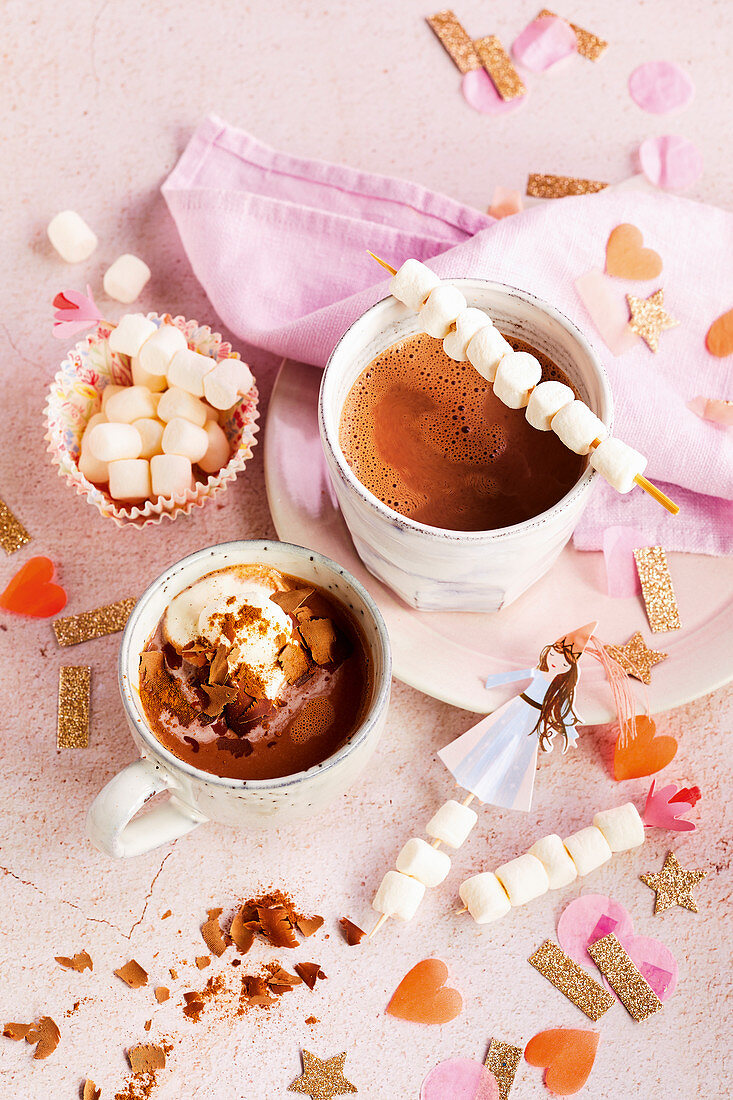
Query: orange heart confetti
x,y
719,338
643,754
626,258
31,591
422,996
567,1056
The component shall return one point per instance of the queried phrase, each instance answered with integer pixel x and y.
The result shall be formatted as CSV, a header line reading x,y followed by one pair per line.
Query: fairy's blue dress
x,y
496,759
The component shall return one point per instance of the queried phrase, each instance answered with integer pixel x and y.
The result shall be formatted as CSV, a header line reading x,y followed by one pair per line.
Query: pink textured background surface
x,y
100,99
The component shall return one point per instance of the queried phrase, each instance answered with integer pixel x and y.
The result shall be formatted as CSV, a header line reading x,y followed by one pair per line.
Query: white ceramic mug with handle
x,y
197,796
430,568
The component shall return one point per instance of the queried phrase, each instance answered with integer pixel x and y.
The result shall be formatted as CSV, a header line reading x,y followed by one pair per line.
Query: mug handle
x,y
111,823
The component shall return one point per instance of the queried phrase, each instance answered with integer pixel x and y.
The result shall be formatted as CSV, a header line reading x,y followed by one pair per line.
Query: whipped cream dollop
x,y
234,611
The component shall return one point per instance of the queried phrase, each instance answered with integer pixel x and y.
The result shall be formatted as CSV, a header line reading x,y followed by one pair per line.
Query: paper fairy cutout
x,y
496,759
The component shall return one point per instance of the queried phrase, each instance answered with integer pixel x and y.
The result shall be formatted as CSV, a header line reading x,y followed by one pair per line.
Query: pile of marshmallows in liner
x,y
468,334
149,435
549,864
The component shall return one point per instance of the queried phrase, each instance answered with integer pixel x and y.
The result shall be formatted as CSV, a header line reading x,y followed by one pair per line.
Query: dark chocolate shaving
x,y
217,698
309,972
320,637
351,932
308,925
294,662
219,669
291,600
212,933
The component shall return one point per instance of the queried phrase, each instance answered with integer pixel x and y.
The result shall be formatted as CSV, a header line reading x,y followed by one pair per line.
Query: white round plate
x,y
448,656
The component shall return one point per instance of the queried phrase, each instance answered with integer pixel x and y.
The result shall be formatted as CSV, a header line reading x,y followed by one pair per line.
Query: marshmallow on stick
x,y
516,377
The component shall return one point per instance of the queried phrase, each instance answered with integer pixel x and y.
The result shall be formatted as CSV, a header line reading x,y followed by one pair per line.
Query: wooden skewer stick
x,y
641,481
382,920
463,910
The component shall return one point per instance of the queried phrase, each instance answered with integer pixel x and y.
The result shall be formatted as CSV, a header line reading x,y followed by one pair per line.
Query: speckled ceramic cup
x,y
437,570
197,796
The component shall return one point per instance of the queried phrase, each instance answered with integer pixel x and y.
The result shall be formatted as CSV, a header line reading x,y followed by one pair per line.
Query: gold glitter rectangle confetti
x,y
634,992
502,1060
93,624
454,40
498,65
73,720
577,985
589,45
656,588
541,186
13,534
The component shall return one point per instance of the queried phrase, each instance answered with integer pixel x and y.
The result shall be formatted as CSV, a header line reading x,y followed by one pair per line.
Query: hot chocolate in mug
x,y
197,796
440,570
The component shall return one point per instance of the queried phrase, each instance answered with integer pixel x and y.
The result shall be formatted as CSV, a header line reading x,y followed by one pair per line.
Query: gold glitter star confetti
x,y
577,985
498,65
673,885
73,713
631,988
545,186
656,588
649,318
13,534
454,40
636,658
502,1060
589,44
93,624
322,1079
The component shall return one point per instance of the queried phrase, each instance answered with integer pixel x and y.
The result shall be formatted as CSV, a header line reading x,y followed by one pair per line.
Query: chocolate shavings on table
x,y
194,1005
162,993
320,637
80,962
276,925
44,1034
146,1058
212,933
271,918
91,1092
132,974
310,973
351,932
308,925
202,961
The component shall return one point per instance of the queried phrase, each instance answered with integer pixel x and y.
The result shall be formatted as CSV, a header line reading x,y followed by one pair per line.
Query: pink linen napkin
x,y
279,244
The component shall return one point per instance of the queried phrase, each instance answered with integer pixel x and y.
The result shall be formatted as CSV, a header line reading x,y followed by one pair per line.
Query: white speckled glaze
x,y
197,796
432,569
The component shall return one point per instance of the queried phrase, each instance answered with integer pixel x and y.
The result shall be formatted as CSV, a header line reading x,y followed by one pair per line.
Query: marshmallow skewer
x,y
616,462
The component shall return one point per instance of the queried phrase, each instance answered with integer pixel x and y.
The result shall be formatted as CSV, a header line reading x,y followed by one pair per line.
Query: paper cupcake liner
x,y
75,396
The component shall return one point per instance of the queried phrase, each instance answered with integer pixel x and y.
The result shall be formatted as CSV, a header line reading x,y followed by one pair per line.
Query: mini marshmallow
x,y
158,350
151,434
93,470
420,861
129,479
412,284
622,827
451,823
553,855
176,402
108,392
523,878
187,369
516,376
217,453
230,379
131,403
71,237
125,278
484,897
442,308
578,427
130,334
468,324
171,475
485,351
156,383
398,896
181,437
618,463
588,849
544,401
112,442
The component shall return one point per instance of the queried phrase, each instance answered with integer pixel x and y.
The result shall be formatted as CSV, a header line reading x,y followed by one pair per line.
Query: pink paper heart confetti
x,y
670,162
660,87
665,808
608,310
75,312
708,408
544,42
505,202
459,1079
622,577
479,92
